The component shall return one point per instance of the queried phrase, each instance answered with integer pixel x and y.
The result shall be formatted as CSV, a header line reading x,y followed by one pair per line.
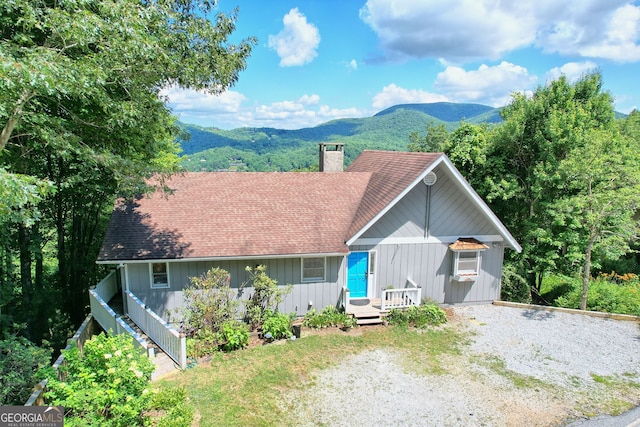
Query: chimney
x,y
331,156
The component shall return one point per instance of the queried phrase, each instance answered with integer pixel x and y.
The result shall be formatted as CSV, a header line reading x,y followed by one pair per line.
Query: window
x,y
372,263
467,263
313,269
159,275
466,258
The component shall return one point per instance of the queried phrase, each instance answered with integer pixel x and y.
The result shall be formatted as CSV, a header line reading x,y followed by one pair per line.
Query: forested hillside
x,y
264,149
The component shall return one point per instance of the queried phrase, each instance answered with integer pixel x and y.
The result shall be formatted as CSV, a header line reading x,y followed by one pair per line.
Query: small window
x,y
159,275
372,263
313,269
466,265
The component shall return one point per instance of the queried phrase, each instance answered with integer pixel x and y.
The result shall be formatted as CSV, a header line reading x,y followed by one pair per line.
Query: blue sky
x,y
319,60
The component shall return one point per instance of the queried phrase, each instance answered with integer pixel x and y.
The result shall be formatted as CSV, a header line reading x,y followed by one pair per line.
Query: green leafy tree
x,y
81,108
22,366
524,175
597,213
434,140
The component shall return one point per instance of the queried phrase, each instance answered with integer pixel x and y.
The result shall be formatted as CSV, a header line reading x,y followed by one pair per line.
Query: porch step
x,y
369,320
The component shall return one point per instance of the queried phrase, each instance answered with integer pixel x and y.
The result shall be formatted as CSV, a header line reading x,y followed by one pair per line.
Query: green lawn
x,y
241,388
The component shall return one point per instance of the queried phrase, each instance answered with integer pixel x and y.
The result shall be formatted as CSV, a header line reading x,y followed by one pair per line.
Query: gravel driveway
x,y
567,362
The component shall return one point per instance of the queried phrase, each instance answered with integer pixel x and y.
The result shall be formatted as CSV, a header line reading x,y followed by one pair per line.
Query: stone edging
x,y
600,314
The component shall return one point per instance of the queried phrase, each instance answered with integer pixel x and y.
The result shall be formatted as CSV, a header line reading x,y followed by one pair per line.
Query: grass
x,y
223,389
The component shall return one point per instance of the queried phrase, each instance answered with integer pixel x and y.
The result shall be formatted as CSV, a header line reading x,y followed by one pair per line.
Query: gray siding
x,y
285,270
429,265
451,213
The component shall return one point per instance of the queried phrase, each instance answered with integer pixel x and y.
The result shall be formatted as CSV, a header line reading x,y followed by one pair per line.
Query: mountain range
x,y
264,149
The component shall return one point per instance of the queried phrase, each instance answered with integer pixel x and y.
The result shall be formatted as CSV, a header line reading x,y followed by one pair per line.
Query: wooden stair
x,y
368,316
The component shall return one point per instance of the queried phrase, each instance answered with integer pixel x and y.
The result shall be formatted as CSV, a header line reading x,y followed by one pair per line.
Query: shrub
x,y
276,326
22,366
266,295
234,335
605,295
514,287
106,385
329,316
209,302
419,316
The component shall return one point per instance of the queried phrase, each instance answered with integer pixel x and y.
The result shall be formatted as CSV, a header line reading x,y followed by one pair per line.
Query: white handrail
x,y
400,298
163,334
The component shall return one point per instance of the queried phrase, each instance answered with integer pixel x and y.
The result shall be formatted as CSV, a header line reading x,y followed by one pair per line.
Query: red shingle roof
x,y
243,214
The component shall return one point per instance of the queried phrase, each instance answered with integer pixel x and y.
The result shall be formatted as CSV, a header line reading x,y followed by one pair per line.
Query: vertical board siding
x,y
287,271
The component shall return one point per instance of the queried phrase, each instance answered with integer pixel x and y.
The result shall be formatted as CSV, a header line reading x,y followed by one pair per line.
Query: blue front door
x,y
358,266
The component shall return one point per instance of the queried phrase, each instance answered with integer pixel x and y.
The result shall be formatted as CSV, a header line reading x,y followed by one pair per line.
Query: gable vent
x,y
430,178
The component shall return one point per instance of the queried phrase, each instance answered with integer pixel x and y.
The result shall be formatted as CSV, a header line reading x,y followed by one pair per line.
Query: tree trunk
x,y
586,274
26,281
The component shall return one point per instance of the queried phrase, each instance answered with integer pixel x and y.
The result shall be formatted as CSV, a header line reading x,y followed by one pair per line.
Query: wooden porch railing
x,y
401,298
163,334
344,299
109,319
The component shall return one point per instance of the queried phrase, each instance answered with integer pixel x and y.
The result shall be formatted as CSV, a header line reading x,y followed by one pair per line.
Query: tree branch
x,y
8,128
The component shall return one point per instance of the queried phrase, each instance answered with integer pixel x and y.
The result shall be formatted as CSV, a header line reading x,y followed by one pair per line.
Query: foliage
x,y
105,385
527,177
234,335
276,325
22,366
606,293
208,303
418,316
435,139
83,119
328,316
266,295
514,287
172,407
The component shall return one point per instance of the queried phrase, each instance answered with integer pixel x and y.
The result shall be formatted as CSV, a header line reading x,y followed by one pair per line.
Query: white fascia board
x,y
462,182
396,200
226,258
485,238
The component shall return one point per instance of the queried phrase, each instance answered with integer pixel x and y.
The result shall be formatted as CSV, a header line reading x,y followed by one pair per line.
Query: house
x,y
390,219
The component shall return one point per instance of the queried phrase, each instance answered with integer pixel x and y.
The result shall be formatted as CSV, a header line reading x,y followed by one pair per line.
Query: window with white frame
x,y
313,269
466,258
159,275
467,264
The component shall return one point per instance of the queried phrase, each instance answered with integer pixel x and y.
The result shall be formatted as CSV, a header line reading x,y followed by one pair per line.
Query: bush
x,y
209,302
22,366
329,316
606,295
276,326
106,385
234,335
514,287
266,296
418,316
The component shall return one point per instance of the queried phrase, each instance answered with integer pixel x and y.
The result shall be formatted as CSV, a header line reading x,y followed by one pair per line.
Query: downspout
x,y
427,231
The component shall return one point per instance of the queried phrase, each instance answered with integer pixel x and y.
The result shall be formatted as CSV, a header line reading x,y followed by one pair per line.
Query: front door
x,y
358,266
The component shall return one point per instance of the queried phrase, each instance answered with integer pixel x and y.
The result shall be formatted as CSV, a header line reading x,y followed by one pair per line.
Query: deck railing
x,y
344,299
109,319
401,298
163,334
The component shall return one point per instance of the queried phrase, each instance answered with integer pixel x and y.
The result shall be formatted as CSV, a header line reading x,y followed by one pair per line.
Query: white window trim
x,y
160,285
313,279
466,275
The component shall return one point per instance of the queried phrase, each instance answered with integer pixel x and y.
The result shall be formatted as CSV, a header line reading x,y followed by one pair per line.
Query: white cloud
x,y
462,30
201,105
353,65
297,42
572,70
393,95
309,99
486,85
452,29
